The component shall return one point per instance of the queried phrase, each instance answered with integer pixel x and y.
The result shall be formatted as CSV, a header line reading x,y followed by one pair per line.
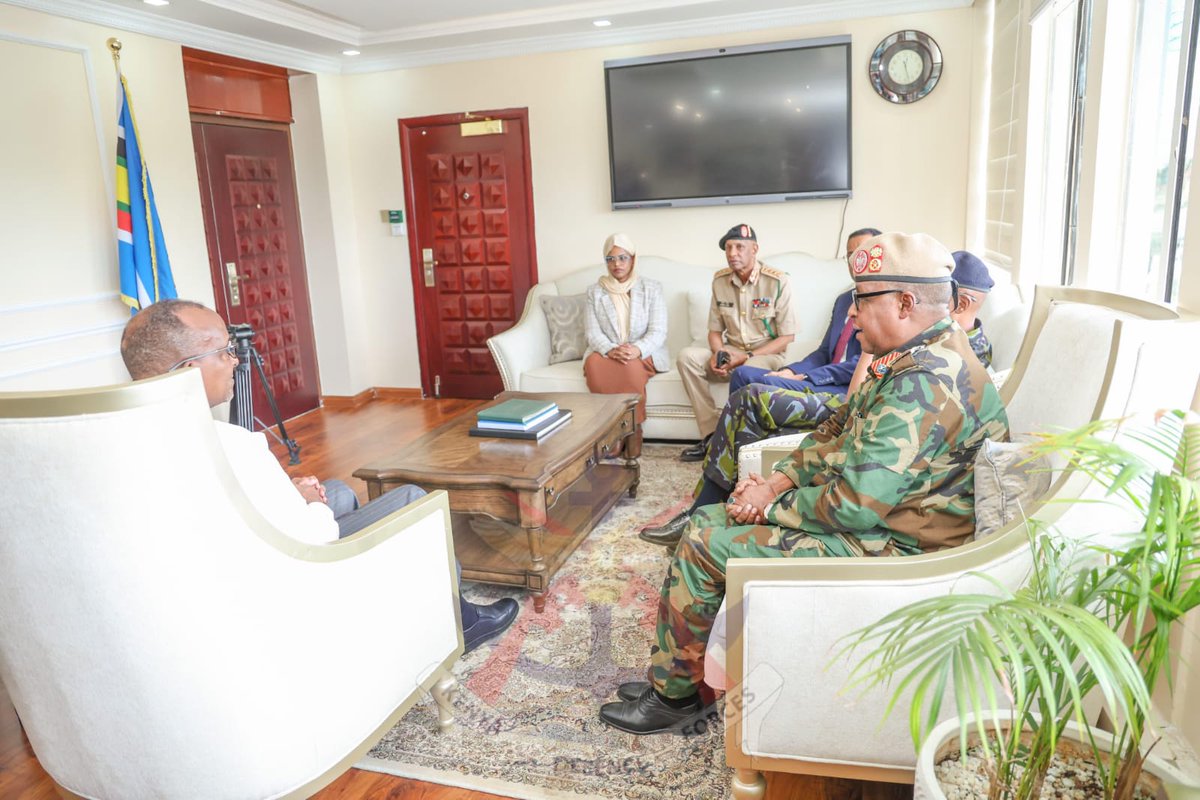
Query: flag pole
x,y
114,47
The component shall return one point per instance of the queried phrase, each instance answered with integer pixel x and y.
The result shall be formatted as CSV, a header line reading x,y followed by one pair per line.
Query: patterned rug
x,y
526,705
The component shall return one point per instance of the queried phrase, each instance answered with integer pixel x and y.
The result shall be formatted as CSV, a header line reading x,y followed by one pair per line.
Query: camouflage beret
x,y
902,257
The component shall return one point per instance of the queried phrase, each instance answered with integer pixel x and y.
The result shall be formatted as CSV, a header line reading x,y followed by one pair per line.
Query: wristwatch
x,y
749,354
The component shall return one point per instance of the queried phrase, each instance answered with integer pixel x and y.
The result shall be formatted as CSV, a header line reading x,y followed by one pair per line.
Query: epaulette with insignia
x,y
883,365
773,272
721,273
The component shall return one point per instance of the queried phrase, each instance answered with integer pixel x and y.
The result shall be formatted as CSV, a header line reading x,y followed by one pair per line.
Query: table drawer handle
x,y
591,462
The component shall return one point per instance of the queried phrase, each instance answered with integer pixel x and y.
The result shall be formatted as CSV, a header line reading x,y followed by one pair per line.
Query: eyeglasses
x,y
623,259
229,349
857,295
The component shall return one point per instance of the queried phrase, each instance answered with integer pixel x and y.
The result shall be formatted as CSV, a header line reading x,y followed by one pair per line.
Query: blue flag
x,y
145,268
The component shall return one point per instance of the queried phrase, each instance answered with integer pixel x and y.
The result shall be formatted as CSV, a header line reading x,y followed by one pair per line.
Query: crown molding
x,y
517,19
294,17
111,15
829,10
108,15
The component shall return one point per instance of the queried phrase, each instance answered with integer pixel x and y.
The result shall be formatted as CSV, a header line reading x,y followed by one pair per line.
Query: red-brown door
x,y
252,223
470,202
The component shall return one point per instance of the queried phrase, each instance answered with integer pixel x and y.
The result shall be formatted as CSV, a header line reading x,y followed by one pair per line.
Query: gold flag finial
x,y
114,46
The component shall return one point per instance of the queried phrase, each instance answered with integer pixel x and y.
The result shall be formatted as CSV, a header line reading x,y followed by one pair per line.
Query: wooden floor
x,y
334,444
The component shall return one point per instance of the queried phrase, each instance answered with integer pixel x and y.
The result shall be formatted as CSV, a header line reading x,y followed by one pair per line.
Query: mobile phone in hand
x,y
722,358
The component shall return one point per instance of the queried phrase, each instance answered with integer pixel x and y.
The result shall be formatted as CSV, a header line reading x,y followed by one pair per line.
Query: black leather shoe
x,y
493,621
633,690
696,452
648,714
669,533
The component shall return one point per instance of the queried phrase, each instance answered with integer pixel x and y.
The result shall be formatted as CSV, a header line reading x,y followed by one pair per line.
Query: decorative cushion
x,y
699,301
1007,484
564,317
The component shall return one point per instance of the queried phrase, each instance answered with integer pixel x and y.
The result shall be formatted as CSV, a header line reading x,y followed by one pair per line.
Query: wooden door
x,y
256,257
469,195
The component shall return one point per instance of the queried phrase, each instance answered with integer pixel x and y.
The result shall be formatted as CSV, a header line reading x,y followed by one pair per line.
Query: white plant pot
x,y
945,735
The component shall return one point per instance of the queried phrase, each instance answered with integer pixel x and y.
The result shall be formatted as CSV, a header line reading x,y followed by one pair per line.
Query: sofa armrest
x,y
799,348
525,345
766,453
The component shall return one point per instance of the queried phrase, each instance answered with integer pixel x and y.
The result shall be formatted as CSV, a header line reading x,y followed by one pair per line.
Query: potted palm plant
x,y
1092,619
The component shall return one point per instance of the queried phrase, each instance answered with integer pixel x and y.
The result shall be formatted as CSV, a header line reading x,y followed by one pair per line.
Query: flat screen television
x,y
752,124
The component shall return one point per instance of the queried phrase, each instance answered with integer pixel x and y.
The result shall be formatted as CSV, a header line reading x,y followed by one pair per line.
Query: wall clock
x,y
905,66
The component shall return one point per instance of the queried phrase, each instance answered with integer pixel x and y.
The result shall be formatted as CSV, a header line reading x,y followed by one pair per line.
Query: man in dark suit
x,y
830,366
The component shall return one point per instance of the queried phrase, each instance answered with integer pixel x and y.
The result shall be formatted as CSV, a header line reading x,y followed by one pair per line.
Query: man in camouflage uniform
x,y
974,282
889,474
750,319
758,411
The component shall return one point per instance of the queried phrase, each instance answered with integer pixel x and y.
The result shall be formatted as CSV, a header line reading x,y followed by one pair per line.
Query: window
x,y
1157,166
1054,67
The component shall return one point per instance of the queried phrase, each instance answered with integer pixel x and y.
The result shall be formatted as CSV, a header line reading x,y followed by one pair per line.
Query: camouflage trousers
x,y
695,584
757,411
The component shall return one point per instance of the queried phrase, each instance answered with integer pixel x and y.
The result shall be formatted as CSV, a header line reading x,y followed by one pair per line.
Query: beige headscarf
x,y
618,291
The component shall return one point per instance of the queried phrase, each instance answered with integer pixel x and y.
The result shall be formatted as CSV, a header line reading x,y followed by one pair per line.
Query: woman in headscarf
x,y
626,328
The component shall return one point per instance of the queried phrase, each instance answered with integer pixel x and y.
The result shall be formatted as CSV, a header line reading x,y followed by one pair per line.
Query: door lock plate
x,y
231,278
428,263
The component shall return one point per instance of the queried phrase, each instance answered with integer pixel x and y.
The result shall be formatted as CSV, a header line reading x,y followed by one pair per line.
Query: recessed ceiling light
x,y
157,2
602,23
351,52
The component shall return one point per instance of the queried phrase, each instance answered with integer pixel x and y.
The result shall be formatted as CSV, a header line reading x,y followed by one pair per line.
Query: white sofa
x,y
159,638
1088,355
522,353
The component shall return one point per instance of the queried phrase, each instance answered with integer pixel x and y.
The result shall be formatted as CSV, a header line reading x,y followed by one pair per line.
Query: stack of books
x,y
520,419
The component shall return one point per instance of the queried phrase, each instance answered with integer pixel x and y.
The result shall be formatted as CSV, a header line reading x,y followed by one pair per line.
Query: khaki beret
x,y
902,257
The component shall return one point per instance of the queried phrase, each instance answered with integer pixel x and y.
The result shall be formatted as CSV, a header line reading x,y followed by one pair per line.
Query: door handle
x,y
231,279
428,263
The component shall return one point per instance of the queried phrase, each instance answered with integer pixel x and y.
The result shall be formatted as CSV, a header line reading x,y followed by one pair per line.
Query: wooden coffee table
x,y
519,508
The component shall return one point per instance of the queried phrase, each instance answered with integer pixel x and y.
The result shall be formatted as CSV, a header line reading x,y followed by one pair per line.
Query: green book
x,y
516,410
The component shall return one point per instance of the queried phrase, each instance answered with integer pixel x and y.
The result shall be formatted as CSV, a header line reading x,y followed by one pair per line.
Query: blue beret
x,y
971,273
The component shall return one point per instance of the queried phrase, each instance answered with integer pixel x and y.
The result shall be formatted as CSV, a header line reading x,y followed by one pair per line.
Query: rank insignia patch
x,y
860,262
883,365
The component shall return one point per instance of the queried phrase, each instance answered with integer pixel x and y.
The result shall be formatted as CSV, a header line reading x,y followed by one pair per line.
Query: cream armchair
x,y
160,639
1087,355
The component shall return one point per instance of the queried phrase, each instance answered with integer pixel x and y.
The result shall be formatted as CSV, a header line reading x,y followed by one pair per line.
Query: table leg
x,y
537,566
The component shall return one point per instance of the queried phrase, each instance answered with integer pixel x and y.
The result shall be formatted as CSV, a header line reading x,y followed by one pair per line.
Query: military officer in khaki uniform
x,y
750,318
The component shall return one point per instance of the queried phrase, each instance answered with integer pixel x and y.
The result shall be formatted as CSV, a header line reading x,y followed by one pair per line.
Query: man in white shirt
x,y
172,334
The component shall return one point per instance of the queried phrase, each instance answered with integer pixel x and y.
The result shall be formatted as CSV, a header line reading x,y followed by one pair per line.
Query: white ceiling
x,y
311,34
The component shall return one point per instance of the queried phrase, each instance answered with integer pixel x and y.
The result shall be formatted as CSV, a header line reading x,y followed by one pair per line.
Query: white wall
x,y
910,164
60,318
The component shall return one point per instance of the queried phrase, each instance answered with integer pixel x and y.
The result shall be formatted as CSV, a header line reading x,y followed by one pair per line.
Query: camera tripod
x,y
241,410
